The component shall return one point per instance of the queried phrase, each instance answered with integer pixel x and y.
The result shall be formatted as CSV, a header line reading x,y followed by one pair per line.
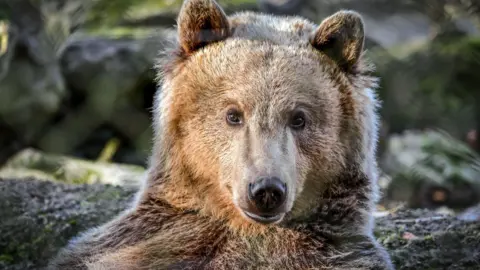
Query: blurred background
x,y
77,83
76,90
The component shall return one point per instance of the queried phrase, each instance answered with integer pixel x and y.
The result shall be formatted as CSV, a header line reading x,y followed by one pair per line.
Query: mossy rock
x,y
39,217
421,239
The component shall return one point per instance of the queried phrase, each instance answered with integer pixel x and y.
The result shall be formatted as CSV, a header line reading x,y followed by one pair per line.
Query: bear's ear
x,y
201,22
341,36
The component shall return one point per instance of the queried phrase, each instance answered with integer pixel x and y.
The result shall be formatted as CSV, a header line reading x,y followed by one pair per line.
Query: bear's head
x,y
258,115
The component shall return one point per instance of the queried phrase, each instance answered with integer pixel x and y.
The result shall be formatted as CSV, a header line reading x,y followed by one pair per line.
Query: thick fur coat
x,y
243,96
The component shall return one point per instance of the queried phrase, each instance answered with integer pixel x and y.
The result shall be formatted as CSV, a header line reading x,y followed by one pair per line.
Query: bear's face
x,y
259,121
263,121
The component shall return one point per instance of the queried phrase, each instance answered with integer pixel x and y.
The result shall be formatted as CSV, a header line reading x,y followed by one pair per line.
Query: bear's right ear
x,y
341,37
201,22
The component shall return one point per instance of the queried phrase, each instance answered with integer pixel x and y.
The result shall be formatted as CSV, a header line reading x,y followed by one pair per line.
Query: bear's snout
x,y
266,197
267,194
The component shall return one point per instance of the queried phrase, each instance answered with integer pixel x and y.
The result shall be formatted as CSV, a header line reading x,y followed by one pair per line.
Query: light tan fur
x,y
189,214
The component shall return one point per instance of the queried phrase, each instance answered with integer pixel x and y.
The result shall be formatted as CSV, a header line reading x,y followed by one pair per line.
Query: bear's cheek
x,y
303,166
318,162
235,173
231,167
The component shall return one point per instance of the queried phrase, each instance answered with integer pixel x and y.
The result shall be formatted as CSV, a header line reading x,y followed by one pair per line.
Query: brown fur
x,y
189,213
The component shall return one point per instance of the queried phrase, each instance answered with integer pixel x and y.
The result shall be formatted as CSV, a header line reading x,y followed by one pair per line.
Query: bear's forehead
x,y
248,64
259,75
285,30
261,46
267,61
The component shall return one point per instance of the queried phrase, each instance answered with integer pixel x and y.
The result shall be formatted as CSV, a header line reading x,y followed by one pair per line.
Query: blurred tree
x,y
440,12
106,13
464,84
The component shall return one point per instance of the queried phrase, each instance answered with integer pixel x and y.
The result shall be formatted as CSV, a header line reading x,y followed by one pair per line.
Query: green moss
x,y
88,177
108,194
35,161
7,258
387,238
72,222
428,237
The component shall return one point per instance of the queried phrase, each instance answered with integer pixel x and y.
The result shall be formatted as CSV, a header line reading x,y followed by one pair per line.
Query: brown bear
x,y
264,151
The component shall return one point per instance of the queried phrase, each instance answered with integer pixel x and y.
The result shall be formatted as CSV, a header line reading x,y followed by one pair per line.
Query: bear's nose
x,y
267,193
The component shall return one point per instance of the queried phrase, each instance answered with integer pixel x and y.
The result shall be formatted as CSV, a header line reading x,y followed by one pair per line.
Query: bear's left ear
x,y
201,22
341,36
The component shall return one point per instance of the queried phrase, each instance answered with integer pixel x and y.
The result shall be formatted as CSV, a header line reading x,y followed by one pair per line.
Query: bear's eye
x,y
234,117
298,120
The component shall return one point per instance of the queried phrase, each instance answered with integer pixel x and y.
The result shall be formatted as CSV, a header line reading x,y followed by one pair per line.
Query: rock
x,y
39,217
421,239
471,214
50,167
110,76
31,84
117,59
9,142
108,73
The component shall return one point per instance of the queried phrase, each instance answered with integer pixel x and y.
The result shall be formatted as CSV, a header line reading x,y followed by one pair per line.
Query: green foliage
x,y
457,62
3,12
108,13
465,55
436,161
433,84
446,157
62,18
6,258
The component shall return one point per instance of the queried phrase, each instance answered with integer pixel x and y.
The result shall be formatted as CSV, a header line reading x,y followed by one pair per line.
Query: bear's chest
x,y
266,253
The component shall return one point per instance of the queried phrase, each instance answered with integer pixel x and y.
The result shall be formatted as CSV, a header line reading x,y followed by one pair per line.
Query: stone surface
x,y
38,217
420,239
31,83
110,76
58,90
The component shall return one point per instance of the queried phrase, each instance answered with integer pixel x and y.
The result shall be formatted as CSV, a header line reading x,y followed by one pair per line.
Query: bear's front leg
x,y
122,235
363,253
126,230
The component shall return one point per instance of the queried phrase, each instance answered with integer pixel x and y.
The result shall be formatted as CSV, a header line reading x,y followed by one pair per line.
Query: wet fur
x,y
184,219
